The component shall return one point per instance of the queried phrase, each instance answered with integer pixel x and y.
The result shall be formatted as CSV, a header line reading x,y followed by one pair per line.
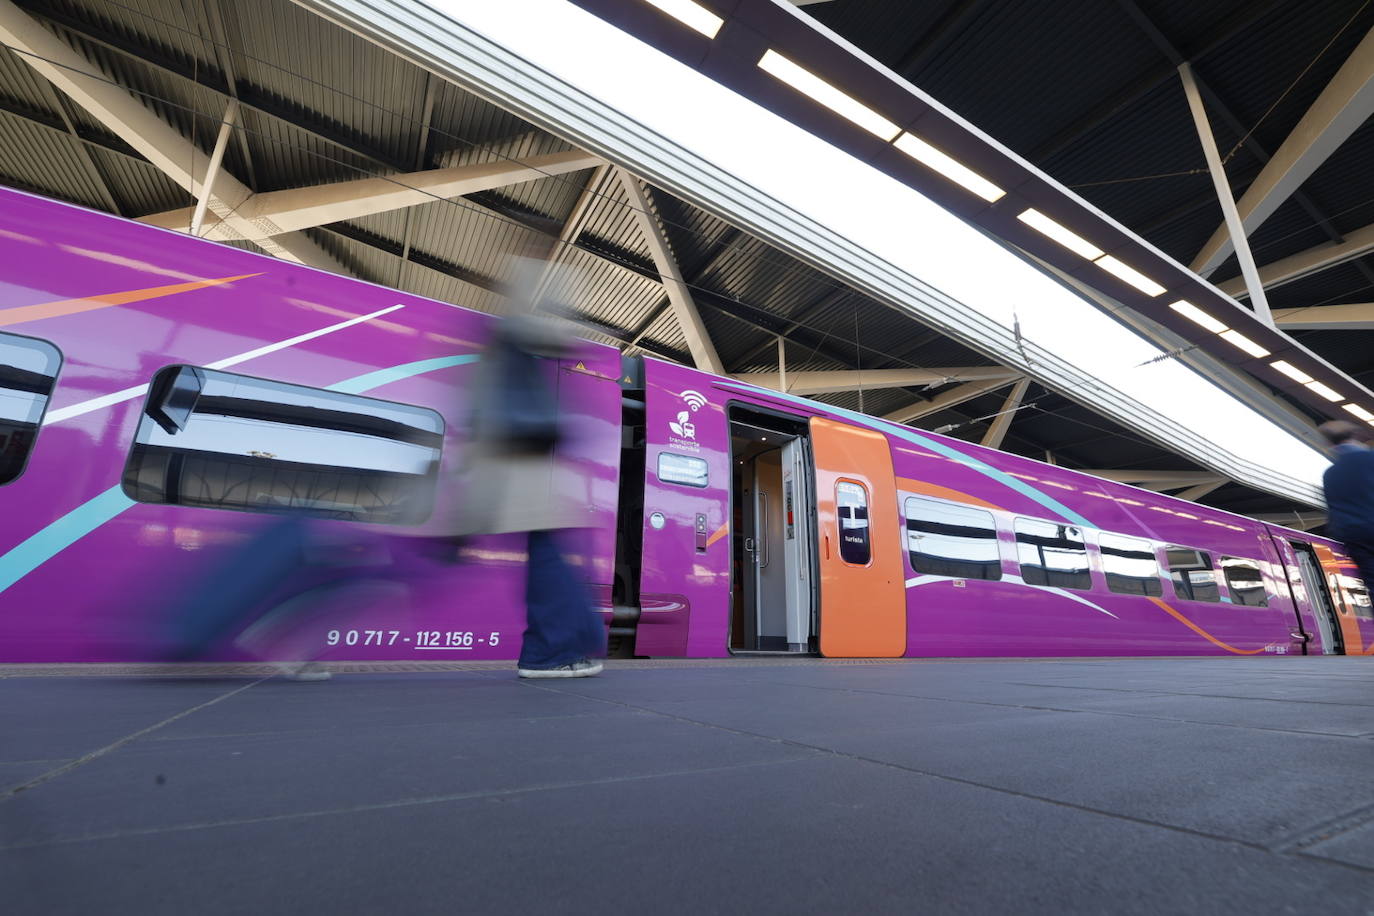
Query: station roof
x,y
1083,90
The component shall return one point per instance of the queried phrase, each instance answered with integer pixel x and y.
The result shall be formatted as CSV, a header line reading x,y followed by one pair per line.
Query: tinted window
x,y
28,372
1356,595
1247,585
1052,554
687,470
1192,573
225,441
951,540
1130,565
851,503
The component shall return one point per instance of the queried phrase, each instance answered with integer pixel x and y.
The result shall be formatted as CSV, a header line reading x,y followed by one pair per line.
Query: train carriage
x,y
161,398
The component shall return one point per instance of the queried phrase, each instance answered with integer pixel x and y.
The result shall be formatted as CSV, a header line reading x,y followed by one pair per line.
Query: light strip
x,y
1132,276
1359,411
949,167
1237,339
1193,313
1291,371
1070,240
812,86
690,14
1325,391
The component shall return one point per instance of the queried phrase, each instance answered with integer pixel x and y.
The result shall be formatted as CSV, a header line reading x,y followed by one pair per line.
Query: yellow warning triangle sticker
x,y
581,367
628,380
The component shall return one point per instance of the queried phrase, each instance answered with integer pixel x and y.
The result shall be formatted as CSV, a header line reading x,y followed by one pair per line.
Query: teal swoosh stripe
x,y
359,384
904,432
48,542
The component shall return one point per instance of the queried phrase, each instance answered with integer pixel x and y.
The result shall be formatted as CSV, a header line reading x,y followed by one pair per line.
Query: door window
x,y
216,440
28,372
947,539
851,503
1052,554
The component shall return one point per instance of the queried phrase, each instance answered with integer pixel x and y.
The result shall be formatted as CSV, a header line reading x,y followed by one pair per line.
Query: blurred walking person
x,y
515,482
1349,488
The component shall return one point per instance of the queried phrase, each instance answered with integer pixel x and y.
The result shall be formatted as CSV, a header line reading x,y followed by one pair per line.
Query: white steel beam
x,y
1297,266
276,212
1002,422
951,398
679,297
1228,202
1301,521
226,128
156,140
858,379
1193,494
1348,316
1157,480
1344,105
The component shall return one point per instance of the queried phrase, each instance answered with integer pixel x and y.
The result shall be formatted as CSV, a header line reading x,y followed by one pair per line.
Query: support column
x,y
1228,203
226,129
1002,422
698,341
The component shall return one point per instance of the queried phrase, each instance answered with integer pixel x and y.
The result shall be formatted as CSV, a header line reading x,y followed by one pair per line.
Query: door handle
x,y
826,538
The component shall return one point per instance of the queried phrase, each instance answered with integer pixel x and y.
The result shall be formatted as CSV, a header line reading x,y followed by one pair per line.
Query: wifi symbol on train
x,y
694,399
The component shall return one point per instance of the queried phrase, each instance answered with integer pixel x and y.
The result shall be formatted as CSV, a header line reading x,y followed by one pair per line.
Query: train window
x,y
223,441
947,539
1191,571
1052,554
28,372
851,502
1356,595
1247,585
687,470
1130,565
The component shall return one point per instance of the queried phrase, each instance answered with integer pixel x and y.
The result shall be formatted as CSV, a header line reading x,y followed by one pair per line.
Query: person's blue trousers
x,y
560,625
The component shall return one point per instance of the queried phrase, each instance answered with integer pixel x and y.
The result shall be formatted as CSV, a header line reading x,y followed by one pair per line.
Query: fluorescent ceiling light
x,y
1070,240
1291,371
1193,313
1324,391
691,14
949,167
811,85
1359,411
1236,338
1132,276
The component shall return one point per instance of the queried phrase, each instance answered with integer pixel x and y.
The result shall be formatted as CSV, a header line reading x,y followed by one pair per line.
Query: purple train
x,y
162,397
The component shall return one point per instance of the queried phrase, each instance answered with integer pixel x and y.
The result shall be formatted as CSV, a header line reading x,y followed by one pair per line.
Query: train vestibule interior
x,y
773,544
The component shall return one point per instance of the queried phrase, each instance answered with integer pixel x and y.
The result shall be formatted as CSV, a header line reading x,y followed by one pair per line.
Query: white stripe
x,y
106,400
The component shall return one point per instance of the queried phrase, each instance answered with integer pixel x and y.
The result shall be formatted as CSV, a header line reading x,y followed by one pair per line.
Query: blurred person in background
x,y
1349,488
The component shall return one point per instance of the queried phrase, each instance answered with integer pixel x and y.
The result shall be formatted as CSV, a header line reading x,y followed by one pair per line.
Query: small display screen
x,y
682,469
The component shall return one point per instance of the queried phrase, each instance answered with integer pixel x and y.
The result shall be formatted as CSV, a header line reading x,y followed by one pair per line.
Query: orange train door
x,y
1350,628
863,589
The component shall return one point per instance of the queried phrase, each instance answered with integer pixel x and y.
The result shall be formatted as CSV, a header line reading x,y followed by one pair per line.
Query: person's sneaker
x,y
306,671
583,667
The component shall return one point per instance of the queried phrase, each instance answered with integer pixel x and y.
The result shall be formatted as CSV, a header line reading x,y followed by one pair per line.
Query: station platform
x,y
743,785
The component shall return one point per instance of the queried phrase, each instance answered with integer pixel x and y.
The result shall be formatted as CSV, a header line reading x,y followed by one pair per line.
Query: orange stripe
x,y
1203,633
721,532
90,303
934,489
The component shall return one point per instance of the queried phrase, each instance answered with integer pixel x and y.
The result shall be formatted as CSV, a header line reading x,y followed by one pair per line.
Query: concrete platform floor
x,y
758,786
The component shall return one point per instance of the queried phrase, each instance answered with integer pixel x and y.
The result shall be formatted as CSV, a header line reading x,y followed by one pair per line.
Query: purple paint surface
x,y
94,598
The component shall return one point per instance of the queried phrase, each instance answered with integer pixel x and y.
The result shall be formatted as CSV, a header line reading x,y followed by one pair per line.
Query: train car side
x,y
83,567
